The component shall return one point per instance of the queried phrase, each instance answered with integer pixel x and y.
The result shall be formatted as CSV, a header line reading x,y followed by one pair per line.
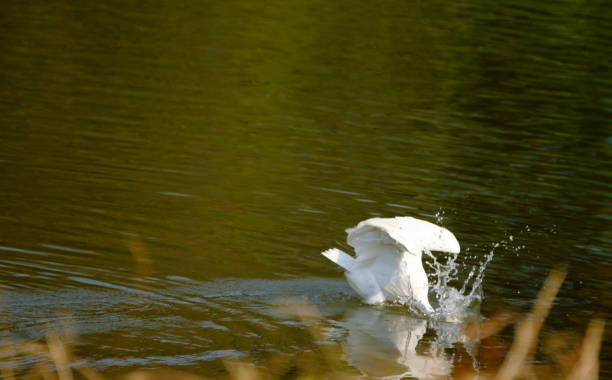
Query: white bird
x,y
387,265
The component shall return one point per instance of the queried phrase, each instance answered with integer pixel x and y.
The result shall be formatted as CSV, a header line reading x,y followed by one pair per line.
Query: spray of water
x,y
454,304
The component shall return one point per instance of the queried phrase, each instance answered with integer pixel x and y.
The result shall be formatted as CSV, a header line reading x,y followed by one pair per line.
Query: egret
x,y
387,265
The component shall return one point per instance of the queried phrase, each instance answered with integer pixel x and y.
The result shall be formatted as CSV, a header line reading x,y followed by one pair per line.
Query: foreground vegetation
x,y
56,362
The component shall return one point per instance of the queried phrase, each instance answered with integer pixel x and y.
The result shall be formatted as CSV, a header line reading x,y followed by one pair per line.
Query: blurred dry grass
x,y
573,358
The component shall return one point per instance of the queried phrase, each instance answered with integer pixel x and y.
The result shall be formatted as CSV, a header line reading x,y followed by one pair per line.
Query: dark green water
x,y
233,141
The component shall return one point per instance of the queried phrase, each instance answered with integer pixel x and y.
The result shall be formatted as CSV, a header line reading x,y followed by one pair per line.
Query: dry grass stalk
x,y
55,353
8,353
313,321
527,330
42,371
563,349
89,373
240,370
489,327
160,374
141,256
587,367
60,357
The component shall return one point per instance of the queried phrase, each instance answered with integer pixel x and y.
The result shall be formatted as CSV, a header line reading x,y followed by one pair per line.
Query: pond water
x,y
170,171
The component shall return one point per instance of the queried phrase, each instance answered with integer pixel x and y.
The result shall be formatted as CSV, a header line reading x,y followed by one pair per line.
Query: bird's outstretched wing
x,y
403,234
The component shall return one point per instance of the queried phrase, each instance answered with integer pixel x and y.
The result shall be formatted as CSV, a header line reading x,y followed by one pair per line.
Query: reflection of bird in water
x,y
388,265
383,343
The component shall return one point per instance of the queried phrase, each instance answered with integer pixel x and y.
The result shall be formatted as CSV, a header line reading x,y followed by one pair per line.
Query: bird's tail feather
x,y
339,257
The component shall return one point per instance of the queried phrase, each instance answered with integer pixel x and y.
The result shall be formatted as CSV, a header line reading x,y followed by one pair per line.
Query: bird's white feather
x,y
339,257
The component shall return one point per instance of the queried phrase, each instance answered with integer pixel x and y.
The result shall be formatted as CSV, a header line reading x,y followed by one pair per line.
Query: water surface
x,y
169,170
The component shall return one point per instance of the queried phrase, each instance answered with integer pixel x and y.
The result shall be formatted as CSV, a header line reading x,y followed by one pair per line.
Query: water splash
x,y
445,276
456,305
